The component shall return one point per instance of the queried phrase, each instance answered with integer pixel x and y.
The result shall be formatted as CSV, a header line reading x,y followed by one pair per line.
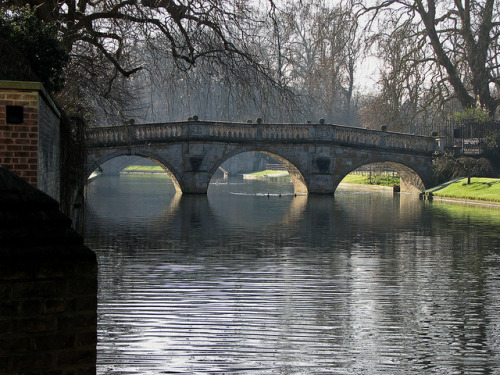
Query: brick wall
x,y
19,142
48,316
48,287
29,147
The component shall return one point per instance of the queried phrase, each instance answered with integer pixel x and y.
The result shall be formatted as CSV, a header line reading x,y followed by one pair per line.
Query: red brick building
x,y
30,135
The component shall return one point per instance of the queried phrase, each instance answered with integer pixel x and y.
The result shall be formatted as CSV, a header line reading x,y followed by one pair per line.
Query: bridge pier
x,y
321,184
195,182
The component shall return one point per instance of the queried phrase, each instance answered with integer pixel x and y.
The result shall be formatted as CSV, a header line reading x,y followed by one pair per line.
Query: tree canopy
x,y
290,61
457,39
192,29
107,40
38,44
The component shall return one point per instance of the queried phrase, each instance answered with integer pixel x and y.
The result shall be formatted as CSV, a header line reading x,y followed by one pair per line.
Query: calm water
x,y
237,282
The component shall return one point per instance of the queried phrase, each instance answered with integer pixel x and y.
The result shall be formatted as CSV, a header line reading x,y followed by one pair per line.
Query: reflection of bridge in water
x,y
214,222
317,156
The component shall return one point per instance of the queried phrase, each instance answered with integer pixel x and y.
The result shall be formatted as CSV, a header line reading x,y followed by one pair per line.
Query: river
x,y
251,279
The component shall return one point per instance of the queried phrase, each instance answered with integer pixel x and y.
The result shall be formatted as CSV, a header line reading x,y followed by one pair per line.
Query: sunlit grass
x,y
364,179
487,189
353,178
144,168
269,172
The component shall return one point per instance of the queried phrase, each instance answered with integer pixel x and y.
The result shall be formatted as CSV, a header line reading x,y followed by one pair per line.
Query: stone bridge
x,y
317,156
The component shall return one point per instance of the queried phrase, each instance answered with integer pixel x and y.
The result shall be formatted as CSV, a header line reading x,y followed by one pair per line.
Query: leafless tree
x,y
105,39
448,165
408,87
459,38
320,49
310,51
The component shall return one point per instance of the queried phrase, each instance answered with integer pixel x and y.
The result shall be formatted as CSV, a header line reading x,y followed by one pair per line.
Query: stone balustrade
x,y
247,132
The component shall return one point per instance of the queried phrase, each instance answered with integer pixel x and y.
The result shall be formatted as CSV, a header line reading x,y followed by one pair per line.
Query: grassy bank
x,y
353,178
485,189
364,179
265,174
270,172
143,169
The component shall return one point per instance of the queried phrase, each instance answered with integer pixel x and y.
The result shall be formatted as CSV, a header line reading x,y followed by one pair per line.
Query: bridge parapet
x,y
136,134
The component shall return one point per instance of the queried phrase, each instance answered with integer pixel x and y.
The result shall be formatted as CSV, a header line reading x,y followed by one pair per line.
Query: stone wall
x,y
29,135
48,286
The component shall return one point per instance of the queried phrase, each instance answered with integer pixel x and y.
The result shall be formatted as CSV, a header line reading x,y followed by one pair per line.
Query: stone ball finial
x,y
434,134
195,117
259,120
131,121
383,128
321,121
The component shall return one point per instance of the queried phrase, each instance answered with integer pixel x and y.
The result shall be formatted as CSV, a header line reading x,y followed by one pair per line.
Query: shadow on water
x,y
129,196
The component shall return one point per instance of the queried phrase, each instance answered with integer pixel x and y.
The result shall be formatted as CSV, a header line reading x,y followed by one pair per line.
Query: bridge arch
x,y
296,175
412,180
167,167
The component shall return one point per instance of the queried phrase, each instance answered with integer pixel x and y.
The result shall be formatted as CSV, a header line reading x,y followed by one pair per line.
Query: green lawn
x,y
487,189
354,178
364,179
269,172
144,168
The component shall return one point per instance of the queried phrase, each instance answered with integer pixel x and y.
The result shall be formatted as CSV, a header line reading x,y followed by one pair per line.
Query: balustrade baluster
x,y
121,134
